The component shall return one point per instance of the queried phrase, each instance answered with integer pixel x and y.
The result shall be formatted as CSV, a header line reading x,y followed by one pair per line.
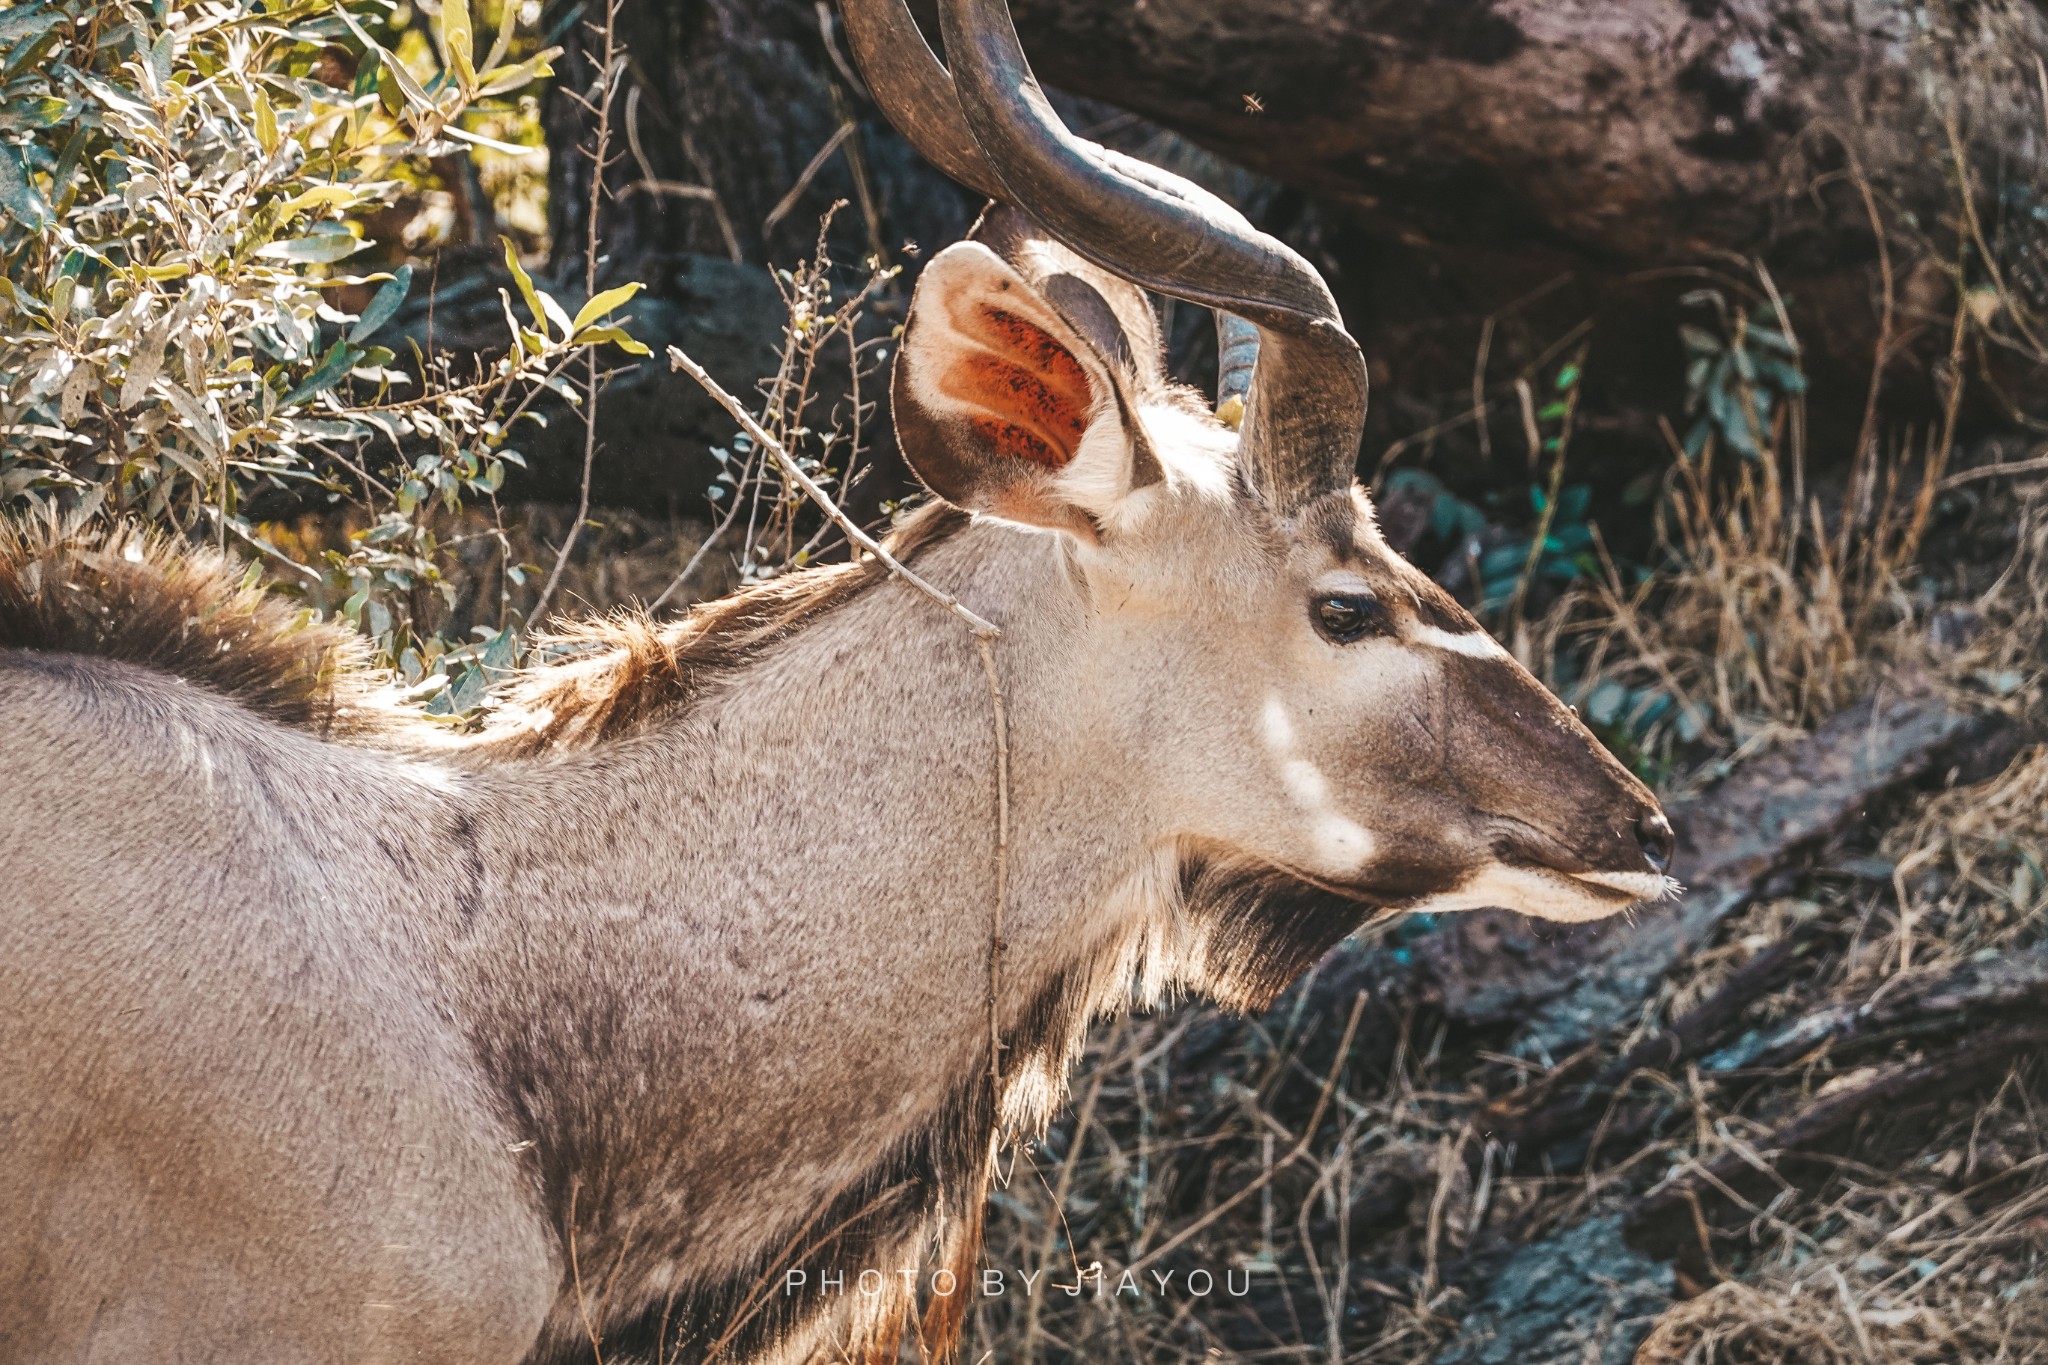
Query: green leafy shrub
x,y
183,186
1737,380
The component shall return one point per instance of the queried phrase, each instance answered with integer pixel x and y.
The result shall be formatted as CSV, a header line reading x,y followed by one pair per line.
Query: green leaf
x,y
1782,376
1606,702
67,161
508,21
27,19
323,249
1504,561
414,95
501,655
617,336
468,692
339,360
1772,339
31,53
1699,340
602,303
389,95
266,124
506,79
160,54
145,362
1567,377
525,282
367,71
458,40
555,313
18,194
383,305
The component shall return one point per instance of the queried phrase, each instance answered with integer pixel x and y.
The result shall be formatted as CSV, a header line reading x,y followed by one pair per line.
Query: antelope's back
x,y
226,1094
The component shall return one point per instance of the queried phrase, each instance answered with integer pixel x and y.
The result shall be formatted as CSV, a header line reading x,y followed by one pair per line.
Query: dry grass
x,y
1934,1256
1766,614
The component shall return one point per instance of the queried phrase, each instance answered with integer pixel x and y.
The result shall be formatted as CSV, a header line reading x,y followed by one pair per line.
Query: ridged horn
x,y
1237,359
914,92
990,121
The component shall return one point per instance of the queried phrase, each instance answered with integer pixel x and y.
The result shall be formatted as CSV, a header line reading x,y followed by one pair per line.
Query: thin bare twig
x,y
675,585
649,182
677,359
995,934
2037,464
985,635
610,69
1299,1150
805,177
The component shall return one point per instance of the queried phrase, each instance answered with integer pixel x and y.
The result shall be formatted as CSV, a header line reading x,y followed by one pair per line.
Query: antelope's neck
x,y
753,948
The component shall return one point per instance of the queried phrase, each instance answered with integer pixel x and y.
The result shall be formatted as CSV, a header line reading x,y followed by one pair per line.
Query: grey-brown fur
x,y
330,1035
126,658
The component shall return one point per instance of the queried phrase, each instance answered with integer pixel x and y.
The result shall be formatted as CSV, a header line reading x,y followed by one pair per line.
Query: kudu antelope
x,y
324,1038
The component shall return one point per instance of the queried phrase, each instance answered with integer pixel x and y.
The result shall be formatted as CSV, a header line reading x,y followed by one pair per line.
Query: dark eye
x,y
1344,617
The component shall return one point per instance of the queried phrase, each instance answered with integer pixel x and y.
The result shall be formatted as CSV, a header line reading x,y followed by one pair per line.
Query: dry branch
x,y
1562,1102
1681,1208
1910,1006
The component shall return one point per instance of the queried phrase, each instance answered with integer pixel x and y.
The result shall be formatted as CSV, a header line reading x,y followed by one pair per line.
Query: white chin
x,y
1566,898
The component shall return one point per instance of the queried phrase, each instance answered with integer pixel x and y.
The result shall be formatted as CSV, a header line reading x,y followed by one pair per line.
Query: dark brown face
x,y
1515,803
1505,798
1350,725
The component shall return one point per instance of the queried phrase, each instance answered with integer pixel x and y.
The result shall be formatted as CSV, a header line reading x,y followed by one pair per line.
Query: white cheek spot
x,y
1304,782
1342,845
1278,725
1347,845
1476,644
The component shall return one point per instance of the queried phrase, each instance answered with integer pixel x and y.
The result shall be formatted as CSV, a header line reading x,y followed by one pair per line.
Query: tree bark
x,y
1625,133
1636,132
1478,178
738,97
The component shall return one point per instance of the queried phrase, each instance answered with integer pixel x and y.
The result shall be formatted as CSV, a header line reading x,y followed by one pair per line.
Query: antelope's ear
x,y
1004,407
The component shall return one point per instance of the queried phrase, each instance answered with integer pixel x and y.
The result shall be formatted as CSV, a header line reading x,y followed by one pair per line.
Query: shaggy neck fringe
x,y
146,599
619,672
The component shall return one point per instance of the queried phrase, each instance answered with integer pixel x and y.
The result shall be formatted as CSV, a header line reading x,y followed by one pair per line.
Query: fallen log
x,y
1920,1003
1580,1294
1565,1101
1555,1114
1678,1214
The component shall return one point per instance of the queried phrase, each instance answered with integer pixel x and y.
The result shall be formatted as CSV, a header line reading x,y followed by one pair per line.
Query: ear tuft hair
x,y
1004,406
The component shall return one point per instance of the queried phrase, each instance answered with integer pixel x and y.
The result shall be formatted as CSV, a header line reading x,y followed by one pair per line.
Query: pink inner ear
x,y
1026,395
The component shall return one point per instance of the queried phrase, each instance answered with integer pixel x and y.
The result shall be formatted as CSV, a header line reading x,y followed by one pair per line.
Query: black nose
x,y
1654,837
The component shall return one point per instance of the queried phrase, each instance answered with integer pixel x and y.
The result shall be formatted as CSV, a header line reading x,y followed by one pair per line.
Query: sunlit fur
x,y
358,1041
